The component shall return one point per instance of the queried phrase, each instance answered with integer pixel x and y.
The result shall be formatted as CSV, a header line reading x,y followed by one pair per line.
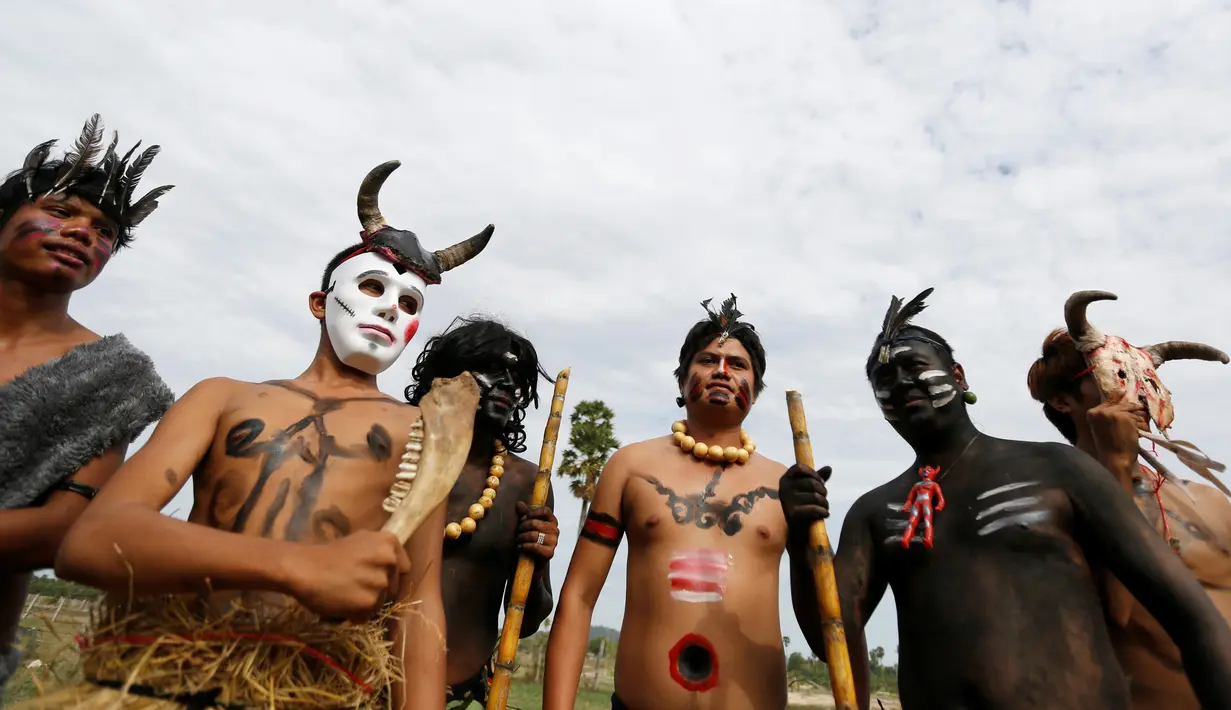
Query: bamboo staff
x,y
498,694
837,656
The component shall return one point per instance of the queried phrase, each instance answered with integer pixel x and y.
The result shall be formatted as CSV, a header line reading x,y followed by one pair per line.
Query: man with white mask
x,y
290,478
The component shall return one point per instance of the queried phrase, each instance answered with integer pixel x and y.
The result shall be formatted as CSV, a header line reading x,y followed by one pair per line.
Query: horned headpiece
x,y
112,193
726,318
897,318
401,246
1120,367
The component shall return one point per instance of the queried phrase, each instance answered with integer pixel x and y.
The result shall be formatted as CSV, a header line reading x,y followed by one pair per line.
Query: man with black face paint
x,y
292,479
490,519
71,401
1001,610
706,535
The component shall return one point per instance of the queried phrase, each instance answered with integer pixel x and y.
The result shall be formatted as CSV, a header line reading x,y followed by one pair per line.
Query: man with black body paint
x,y
1003,611
706,536
482,544
71,401
290,476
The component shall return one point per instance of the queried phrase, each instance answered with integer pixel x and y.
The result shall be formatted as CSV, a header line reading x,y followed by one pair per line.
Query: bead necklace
x,y
706,452
477,510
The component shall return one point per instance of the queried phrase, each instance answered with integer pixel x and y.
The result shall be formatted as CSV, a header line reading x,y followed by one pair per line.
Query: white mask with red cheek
x,y
372,312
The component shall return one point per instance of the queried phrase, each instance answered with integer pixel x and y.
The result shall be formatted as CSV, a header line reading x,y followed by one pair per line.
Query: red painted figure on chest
x,y
919,503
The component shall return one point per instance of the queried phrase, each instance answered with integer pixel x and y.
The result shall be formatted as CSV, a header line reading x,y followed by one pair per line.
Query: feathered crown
x,y
121,176
726,318
896,319
402,246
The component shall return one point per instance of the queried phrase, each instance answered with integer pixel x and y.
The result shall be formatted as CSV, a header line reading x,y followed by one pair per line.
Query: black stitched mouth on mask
x,y
345,307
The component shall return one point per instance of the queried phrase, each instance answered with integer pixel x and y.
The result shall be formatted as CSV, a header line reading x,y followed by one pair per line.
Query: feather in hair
x,y
897,318
726,318
88,144
110,164
146,205
132,176
34,160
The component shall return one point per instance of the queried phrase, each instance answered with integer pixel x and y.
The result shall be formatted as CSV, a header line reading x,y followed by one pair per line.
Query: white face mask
x,y
372,312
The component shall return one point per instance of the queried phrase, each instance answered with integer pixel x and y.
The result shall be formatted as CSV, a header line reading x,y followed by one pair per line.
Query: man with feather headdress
x,y
992,549
1104,395
706,536
294,480
71,401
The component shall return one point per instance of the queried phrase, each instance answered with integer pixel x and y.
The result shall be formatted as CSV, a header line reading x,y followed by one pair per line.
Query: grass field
x,y
52,645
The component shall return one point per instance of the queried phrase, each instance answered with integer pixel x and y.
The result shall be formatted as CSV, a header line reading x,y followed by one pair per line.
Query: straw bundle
x,y
155,657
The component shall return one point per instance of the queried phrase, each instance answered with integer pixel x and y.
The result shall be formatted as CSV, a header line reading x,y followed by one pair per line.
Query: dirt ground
x,y
822,699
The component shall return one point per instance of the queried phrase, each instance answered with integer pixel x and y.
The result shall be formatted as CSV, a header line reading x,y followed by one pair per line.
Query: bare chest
x,y
1191,529
730,506
491,537
989,514
295,470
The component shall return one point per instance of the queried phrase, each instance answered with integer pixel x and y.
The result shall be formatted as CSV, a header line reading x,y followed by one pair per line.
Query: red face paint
x,y
694,663
37,228
411,329
102,252
694,389
743,396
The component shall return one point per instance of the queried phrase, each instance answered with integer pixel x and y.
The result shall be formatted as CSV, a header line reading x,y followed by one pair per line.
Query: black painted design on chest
x,y
701,509
288,444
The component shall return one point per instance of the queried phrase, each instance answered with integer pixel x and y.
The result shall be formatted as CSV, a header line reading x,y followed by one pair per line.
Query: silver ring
x,y
542,538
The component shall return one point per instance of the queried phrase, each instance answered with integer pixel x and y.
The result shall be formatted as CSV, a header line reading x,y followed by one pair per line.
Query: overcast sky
x,y
637,157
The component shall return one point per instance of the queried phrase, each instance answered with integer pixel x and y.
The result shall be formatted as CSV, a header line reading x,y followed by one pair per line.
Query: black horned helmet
x,y
402,246
114,193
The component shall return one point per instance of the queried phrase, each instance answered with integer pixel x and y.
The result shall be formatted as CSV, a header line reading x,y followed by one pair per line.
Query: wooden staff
x,y
836,654
498,694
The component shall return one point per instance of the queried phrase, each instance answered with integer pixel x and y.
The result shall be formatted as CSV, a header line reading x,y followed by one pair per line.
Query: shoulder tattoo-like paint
x,y
603,529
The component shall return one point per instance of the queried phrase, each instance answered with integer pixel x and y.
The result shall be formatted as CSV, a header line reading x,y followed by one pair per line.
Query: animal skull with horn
x,y
402,246
1118,366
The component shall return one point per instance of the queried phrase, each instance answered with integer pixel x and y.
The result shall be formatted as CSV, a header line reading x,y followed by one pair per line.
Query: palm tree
x,y
591,442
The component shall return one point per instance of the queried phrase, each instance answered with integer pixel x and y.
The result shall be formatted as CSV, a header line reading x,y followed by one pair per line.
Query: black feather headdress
x,y
726,318
113,193
897,318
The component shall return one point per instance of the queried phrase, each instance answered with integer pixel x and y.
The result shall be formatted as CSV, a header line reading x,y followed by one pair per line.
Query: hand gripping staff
x,y
836,654
498,694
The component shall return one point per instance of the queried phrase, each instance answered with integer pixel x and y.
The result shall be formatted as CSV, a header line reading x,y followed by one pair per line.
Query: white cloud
x,y
638,157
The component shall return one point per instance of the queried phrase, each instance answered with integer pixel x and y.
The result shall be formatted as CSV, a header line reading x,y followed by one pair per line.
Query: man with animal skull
x,y
1103,395
998,607
490,516
706,537
293,481
71,401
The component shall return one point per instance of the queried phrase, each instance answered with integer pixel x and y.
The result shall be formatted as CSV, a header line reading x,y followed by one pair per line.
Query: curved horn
x,y
369,196
1084,335
1184,350
458,254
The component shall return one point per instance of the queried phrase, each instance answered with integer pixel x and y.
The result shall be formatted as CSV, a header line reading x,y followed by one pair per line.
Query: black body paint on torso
x,y
283,445
699,509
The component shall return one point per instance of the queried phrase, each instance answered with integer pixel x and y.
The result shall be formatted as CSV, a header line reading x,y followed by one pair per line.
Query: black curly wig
x,y
478,344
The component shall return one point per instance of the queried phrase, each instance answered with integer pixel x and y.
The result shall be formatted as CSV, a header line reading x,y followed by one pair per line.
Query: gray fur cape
x,y
58,416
